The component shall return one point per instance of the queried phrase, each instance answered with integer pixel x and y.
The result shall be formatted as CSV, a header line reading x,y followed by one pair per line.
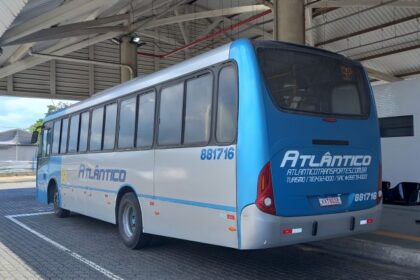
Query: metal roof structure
x,y
383,34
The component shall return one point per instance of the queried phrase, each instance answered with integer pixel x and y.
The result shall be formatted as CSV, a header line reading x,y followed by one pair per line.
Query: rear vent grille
x,y
330,142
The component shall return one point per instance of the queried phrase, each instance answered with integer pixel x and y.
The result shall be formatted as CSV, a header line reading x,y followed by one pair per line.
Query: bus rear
x,y
319,173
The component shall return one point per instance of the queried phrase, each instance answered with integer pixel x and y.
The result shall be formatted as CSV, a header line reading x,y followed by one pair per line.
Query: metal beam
x,y
61,49
203,15
381,4
62,13
43,95
406,74
234,21
382,76
52,34
267,3
370,29
359,3
183,33
159,37
140,23
370,57
84,61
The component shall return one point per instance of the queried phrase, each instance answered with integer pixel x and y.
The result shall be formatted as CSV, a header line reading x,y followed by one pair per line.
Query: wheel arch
x,y
50,190
121,192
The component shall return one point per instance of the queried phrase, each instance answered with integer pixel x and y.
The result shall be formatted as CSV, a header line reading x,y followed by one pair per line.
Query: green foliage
x,y
60,105
50,109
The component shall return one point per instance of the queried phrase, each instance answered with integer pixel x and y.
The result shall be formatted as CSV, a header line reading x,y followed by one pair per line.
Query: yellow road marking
x,y
397,235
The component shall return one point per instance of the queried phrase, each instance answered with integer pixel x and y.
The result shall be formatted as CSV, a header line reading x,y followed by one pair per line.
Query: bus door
x,y
42,171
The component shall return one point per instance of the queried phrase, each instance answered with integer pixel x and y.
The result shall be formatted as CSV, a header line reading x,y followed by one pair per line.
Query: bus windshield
x,y
315,84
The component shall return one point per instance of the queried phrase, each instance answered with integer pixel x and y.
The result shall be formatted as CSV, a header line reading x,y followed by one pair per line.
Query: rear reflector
x,y
366,221
289,231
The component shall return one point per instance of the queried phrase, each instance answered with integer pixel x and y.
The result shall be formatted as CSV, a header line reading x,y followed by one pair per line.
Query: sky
x,y
19,112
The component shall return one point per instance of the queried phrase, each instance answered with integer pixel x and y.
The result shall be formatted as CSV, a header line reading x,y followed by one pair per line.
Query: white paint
x,y
78,257
297,230
400,155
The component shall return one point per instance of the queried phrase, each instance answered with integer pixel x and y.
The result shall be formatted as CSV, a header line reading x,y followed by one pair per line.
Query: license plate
x,y
329,201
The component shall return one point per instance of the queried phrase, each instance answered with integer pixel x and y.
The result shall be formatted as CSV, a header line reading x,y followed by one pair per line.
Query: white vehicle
x,y
236,147
398,106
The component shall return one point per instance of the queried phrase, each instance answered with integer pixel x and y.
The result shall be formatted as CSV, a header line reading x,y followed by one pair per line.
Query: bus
x,y
399,116
251,145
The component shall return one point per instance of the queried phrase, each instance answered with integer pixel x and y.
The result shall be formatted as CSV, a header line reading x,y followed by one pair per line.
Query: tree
x,y
51,109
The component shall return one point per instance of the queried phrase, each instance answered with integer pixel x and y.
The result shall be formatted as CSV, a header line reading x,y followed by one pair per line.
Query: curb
x,y
372,250
5,180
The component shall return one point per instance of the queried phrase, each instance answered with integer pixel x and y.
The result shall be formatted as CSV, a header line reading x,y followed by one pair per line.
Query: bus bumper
x,y
259,230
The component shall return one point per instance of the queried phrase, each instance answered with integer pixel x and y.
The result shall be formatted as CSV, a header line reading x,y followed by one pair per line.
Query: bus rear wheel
x,y
59,212
130,224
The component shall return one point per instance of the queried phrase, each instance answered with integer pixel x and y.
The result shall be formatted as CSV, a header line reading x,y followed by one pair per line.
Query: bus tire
x,y
130,223
59,212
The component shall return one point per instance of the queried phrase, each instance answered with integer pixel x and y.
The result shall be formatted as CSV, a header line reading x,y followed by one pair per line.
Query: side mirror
x,y
34,138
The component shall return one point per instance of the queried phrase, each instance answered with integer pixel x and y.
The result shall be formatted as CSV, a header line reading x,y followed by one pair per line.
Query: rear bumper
x,y
260,230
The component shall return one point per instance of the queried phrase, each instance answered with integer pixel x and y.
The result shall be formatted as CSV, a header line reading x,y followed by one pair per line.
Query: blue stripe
x,y
88,188
161,198
191,203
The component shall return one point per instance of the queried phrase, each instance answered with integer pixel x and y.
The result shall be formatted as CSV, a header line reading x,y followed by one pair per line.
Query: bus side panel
x,y
252,132
42,182
92,181
196,195
48,169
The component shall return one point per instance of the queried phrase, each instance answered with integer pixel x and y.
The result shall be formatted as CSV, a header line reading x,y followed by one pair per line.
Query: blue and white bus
x,y
251,145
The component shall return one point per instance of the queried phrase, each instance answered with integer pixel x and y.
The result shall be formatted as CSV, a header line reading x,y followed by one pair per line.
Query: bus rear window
x,y
315,84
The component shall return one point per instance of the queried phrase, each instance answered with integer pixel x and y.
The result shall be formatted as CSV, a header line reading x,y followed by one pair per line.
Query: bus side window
x,y
74,133
110,125
170,115
127,123
146,119
227,102
64,134
84,128
45,142
95,143
56,137
199,94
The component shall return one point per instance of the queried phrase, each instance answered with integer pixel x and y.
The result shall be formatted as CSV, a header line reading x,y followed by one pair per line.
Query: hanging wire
x,y
324,18
395,26
360,25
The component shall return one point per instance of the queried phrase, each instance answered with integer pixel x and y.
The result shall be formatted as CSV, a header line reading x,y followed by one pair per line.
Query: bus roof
x,y
217,55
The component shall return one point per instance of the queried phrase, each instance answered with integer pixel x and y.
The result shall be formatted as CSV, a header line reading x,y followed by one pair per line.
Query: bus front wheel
x,y
130,224
59,212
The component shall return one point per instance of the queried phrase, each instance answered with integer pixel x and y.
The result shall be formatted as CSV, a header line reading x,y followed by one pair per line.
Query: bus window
x,y
74,133
110,124
170,115
227,106
46,142
314,84
127,123
84,128
95,143
64,132
198,109
146,119
56,137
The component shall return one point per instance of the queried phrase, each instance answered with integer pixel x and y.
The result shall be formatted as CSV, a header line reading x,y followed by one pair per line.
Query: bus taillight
x,y
379,195
265,195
